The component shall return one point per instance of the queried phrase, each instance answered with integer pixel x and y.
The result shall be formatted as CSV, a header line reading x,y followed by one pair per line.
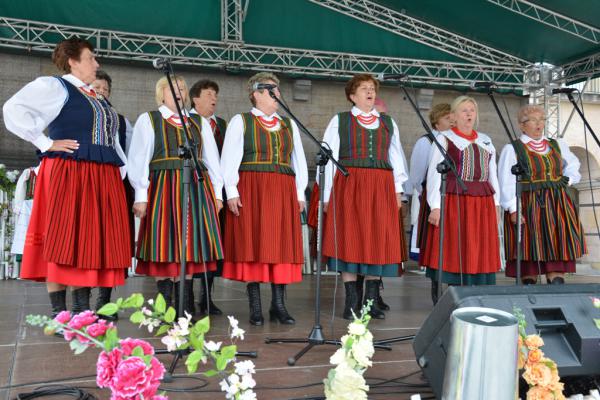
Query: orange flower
x,y
533,342
539,393
520,342
534,356
537,374
521,361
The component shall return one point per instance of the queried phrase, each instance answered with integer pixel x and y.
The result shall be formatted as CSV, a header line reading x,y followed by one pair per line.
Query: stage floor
x,y
27,357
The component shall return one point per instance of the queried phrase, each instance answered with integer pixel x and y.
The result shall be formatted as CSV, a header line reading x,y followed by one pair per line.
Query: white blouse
x,y
419,162
508,180
29,111
434,179
395,153
142,149
233,152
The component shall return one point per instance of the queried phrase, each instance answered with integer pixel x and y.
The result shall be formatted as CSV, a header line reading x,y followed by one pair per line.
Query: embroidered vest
x,y
89,120
545,169
362,147
220,130
167,139
473,165
267,151
30,184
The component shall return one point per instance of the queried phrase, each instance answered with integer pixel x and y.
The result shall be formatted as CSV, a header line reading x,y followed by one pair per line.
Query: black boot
x,y
253,289
81,300
278,310
351,303
528,281
360,284
187,295
165,287
103,299
434,291
372,293
380,303
559,280
58,302
212,309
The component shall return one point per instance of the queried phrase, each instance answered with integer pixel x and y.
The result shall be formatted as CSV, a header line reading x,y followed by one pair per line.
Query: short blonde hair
x,y
261,77
527,110
159,94
464,99
438,112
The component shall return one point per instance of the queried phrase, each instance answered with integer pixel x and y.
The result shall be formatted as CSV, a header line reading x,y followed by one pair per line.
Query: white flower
x,y
230,390
244,367
146,311
173,342
12,175
2,166
247,395
212,346
356,328
232,321
151,323
362,351
338,357
596,302
237,333
347,384
150,301
247,382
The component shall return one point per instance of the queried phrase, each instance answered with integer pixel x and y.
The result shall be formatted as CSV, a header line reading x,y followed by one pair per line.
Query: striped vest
x,y
545,169
89,120
362,147
473,165
168,138
267,151
30,184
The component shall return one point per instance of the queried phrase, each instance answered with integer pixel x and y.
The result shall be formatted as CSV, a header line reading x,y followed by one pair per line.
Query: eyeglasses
x,y
535,120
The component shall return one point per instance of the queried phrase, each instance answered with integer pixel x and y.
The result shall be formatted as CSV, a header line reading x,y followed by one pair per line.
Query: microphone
x,y
486,85
565,90
160,63
260,86
390,77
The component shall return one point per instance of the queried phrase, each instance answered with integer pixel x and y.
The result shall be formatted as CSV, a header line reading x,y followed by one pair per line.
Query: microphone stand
x,y
585,121
315,337
519,170
187,152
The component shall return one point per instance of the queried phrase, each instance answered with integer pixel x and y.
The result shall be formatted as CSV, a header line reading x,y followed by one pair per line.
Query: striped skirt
x,y
79,232
422,225
363,223
552,231
264,243
160,239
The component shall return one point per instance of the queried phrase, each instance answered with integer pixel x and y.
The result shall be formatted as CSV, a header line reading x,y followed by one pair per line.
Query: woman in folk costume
x,y
22,205
552,233
471,248
78,232
265,175
155,174
362,232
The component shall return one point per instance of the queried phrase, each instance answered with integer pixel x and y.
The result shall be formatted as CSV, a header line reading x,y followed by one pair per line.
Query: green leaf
x,y
222,363
229,351
192,361
597,321
138,300
170,315
147,359
77,346
120,302
159,304
137,351
197,341
210,373
111,339
108,309
129,302
162,330
137,317
203,325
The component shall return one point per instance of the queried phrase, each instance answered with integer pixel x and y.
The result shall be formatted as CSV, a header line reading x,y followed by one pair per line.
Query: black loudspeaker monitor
x,y
562,314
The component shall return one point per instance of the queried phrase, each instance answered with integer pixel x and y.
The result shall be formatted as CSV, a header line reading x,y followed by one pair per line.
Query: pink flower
x,y
160,397
63,317
129,344
106,366
133,379
83,319
98,329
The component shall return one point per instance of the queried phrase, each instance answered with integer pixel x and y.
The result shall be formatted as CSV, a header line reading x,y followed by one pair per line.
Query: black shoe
x,y
212,309
434,291
360,284
103,299
380,303
81,300
58,302
278,310
528,281
372,293
256,317
165,287
188,307
559,280
351,303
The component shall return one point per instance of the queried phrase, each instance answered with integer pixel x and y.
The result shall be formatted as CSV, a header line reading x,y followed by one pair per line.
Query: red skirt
x,y
171,269
79,230
264,243
475,247
363,218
